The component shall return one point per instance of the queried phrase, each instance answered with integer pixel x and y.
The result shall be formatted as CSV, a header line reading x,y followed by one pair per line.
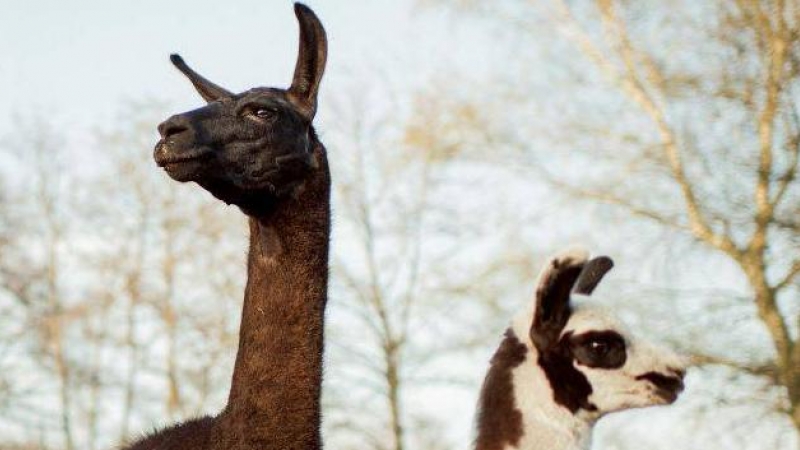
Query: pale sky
x,y
77,61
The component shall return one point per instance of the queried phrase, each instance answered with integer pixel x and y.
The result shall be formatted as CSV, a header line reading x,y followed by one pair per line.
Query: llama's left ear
x,y
553,297
311,59
208,90
591,275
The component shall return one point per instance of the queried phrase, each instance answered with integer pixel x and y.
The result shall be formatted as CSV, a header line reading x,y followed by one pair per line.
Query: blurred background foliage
x,y
665,134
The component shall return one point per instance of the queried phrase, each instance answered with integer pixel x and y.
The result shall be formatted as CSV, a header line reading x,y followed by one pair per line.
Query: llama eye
x,y
263,112
599,347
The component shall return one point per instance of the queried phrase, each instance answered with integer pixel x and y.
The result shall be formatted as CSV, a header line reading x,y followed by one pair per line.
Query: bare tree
x,y
43,292
19,273
119,292
381,290
684,115
401,306
167,237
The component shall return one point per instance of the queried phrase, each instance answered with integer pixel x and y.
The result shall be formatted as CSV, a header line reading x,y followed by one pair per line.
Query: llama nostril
x,y
679,373
175,130
672,383
172,126
172,130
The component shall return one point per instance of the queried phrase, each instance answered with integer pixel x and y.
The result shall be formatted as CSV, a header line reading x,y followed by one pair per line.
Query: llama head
x,y
592,363
254,148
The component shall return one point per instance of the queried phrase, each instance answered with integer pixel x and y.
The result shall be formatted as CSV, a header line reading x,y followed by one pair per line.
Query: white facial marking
x,y
549,425
618,389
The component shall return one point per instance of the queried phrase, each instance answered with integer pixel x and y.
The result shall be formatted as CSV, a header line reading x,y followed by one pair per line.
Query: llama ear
x,y
310,61
208,90
553,309
592,273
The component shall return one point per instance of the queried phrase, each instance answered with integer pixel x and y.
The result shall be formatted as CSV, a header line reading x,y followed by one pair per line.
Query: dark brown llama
x,y
258,150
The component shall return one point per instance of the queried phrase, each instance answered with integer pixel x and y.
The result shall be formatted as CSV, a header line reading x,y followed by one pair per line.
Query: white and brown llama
x,y
564,363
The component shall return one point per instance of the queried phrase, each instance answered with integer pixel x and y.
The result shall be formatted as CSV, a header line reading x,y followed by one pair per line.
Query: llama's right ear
x,y
310,61
553,308
208,90
592,273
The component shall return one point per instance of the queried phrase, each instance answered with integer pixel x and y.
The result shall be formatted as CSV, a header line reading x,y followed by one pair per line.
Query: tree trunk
x,y
393,386
787,364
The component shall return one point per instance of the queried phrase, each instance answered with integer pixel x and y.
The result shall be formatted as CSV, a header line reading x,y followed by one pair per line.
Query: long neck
x,y
516,408
274,401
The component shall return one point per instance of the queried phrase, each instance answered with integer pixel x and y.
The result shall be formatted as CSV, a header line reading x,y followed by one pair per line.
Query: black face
x,y
598,349
250,149
255,142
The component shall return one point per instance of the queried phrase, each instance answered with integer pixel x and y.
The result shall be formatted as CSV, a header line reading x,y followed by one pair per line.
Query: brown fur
x,y
258,150
274,401
499,421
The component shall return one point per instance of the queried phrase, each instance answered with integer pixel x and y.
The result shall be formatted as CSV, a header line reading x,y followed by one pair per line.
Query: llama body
x,y
564,363
258,150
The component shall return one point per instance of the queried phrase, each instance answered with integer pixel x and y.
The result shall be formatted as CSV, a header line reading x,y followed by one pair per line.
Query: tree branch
x,y
767,370
787,279
631,84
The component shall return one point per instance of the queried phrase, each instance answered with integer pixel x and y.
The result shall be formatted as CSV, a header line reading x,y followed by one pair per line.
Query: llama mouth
x,y
165,157
183,166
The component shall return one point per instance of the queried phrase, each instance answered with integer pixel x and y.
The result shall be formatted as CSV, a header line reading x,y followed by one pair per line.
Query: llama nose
x,y
671,382
677,372
172,126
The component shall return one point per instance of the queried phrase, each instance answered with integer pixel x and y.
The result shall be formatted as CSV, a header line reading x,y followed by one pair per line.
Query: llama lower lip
x,y
169,160
165,154
168,164
184,169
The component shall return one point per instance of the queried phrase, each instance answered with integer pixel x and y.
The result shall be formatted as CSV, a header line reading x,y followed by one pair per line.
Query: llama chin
x,y
565,363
